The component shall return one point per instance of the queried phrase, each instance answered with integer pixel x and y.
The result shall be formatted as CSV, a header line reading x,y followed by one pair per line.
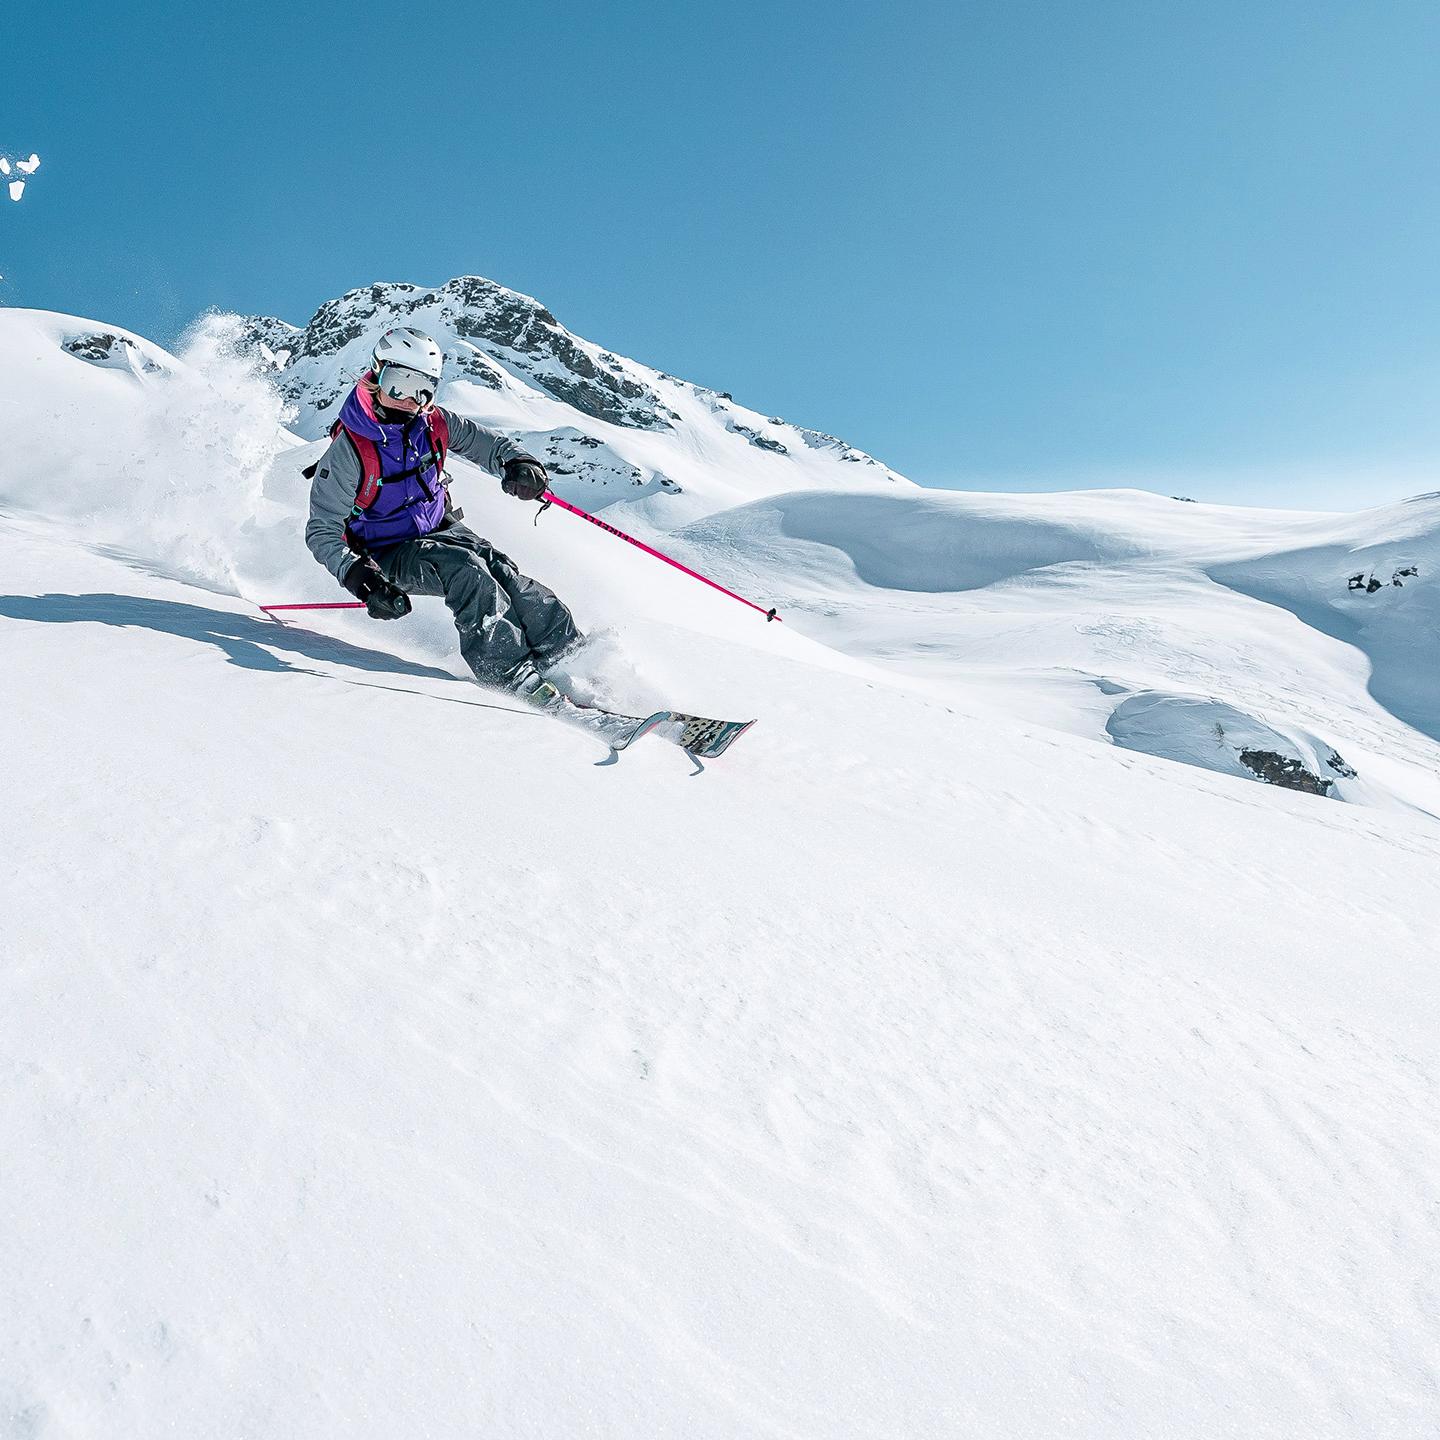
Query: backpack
x,y
437,430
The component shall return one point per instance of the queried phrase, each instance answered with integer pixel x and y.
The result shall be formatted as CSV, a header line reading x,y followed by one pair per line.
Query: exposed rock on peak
x,y
492,324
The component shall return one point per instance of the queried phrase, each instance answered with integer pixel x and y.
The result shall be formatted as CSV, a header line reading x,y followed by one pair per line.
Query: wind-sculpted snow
x,y
927,542
1197,730
1394,618
1050,606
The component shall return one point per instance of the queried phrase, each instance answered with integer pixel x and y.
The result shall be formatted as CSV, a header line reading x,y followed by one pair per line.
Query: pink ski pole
x,y
328,605
551,498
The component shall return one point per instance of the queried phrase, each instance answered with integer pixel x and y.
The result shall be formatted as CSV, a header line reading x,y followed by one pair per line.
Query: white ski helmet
x,y
411,358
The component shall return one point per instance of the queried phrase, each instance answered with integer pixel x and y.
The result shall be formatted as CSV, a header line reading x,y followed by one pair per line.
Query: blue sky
x,y
1000,245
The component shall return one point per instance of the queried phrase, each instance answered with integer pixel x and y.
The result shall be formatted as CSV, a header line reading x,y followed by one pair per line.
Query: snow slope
x,y
928,1066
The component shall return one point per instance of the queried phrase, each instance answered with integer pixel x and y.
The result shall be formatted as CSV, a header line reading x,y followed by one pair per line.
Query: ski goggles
x,y
400,382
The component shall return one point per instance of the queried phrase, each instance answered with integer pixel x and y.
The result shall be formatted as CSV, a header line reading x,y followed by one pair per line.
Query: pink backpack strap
x,y
438,423
369,467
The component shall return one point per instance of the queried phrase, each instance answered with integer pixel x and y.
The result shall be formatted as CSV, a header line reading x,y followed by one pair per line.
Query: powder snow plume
x,y
171,460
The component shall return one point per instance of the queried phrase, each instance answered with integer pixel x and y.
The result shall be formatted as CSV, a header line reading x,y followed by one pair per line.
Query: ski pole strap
x,y
551,497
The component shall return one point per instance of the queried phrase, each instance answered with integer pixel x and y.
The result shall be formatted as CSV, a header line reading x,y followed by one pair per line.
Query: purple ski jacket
x,y
401,510
412,496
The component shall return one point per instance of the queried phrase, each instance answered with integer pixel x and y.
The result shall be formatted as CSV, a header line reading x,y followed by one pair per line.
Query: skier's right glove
x,y
383,601
525,479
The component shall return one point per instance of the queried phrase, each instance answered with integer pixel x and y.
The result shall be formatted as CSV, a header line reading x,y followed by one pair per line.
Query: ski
x,y
617,731
699,735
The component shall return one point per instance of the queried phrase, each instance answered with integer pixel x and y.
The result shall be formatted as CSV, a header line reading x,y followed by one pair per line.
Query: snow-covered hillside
x,y
1318,632
377,1060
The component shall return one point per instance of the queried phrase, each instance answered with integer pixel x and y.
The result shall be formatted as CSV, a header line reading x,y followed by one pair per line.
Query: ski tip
x,y
726,742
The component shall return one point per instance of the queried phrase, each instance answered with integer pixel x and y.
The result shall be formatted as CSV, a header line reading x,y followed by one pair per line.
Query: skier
x,y
382,523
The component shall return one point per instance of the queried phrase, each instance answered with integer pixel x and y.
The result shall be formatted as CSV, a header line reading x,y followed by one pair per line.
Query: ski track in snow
x,y
914,1071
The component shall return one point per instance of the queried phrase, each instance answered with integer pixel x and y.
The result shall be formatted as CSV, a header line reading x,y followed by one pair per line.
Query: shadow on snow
x,y
245,640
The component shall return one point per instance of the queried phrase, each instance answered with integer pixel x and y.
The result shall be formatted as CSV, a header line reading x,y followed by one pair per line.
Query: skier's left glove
x,y
365,581
525,479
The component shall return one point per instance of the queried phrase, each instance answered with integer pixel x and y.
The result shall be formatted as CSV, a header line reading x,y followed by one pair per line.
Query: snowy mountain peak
x,y
601,421
478,322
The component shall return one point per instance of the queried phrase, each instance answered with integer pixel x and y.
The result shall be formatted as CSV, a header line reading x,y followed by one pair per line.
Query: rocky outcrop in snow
x,y
105,348
1292,774
1215,735
1400,575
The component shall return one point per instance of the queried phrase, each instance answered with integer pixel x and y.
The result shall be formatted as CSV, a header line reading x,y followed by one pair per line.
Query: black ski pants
x,y
506,621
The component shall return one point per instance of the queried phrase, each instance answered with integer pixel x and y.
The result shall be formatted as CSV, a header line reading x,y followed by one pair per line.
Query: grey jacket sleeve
x,y
486,448
332,498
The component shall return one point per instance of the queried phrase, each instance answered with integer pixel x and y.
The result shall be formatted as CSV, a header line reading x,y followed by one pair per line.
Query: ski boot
x,y
538,692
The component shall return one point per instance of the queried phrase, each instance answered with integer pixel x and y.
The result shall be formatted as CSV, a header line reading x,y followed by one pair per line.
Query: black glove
x,y
524,479
383,601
